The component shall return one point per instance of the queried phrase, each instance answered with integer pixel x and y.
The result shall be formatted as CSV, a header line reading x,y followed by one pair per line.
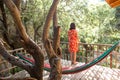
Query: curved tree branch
x,y
17,18
31,47
12,59
48,20
17,3
54,60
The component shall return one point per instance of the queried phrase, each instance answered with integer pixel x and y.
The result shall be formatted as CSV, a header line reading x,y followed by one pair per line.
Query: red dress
x,y
72,41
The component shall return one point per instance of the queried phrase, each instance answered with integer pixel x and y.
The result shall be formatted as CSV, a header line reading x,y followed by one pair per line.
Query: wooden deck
x,y
95,72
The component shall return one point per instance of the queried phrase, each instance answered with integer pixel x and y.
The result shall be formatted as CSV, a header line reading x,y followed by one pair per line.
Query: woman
x,y
73,42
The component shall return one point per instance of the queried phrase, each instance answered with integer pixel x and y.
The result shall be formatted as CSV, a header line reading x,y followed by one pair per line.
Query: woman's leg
x,y
74,58
71,57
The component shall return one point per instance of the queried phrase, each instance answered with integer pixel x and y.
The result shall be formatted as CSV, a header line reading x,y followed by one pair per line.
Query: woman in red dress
x,y
73,42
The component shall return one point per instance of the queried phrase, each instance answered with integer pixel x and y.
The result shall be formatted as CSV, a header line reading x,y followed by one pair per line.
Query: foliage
x,y
96,23
34,13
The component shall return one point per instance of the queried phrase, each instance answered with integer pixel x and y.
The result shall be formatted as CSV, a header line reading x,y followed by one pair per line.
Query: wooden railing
x,y
86,53
5,67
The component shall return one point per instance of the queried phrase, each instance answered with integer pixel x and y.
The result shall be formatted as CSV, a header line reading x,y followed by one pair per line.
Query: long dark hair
x,y
72,26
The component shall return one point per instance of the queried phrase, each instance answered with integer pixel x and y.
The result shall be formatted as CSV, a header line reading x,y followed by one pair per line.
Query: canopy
x,y
113,3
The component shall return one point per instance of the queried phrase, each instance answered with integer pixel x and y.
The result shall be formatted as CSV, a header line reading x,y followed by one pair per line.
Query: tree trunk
x,y
54,60
35,70
32,48
17,3
55,63
56,36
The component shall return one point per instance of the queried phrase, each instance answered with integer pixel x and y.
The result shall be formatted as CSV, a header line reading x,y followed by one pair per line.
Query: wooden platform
x,y
94,73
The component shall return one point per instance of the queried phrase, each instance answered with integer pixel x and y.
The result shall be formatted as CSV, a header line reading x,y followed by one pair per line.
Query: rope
x,y
67,70
31,61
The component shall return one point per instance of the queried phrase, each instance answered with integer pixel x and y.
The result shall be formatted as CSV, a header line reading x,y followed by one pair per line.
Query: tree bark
x,y
56,35
54,60
48,20
36,70
12,59
17,3
10,39
17,19
32,48
55,63
55,20
56,40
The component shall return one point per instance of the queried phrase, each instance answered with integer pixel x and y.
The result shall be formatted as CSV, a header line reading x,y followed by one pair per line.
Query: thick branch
x,y
55,20
56,35
17,18
36,52
30,45
55,63
49,49
56,40
17,3
12,59
48,20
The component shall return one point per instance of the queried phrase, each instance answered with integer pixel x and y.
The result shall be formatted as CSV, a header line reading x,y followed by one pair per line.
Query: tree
x,y
35,70
95,22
